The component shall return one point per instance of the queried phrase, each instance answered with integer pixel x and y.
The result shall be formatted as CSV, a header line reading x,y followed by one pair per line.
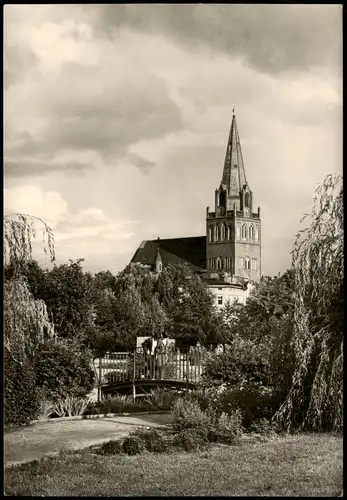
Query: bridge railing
x,y
168,364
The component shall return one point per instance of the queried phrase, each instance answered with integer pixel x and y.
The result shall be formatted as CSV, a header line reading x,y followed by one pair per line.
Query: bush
x,y
111,448
70,406
207,398
191,439
226,428
63,370
46,409
22,397
133,445
253,400
152,439
188,414
162,399
263,426
243,362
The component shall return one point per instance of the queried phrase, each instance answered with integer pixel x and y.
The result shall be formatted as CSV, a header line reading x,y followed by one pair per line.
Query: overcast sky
x,y
117,119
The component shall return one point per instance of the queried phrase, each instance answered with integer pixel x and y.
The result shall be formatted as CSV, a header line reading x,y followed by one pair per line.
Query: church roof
x,y
190,251
234,176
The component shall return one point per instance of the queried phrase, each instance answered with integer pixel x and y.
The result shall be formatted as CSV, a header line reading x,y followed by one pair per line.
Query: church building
x,y
228,258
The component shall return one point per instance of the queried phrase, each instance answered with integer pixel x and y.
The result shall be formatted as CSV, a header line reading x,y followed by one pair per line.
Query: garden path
x,y
49,438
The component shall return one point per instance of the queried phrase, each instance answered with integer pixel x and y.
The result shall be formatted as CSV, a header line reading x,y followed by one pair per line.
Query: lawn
x,y
300,465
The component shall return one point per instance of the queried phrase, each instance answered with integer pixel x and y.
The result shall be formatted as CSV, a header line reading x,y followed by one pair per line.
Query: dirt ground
x,y
49,438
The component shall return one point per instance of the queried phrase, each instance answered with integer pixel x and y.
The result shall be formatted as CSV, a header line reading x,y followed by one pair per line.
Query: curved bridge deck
x,y
137,373
143,387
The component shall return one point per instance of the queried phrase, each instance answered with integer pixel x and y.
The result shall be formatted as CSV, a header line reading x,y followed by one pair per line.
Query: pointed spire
x,y
234,176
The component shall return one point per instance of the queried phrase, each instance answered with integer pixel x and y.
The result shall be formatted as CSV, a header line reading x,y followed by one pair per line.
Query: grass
x,y
299,465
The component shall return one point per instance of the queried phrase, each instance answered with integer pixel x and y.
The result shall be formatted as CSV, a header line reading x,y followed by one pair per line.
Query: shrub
x,y
162,399
63,370
111,448
191,439
263,426
206,398
226,428
117,404
46,409
70,406
188,414
133,445
21,395
254,400
152,439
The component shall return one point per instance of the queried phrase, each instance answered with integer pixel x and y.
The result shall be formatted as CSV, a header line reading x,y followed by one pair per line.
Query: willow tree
x,y
315,399
26,320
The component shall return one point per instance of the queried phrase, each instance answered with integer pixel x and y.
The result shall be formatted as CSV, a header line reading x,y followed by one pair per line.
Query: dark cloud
x,y
28,167
140,162
20,62
271,38
84,110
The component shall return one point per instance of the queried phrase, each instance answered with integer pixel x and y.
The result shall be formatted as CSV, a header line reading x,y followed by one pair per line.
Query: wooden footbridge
x,y
136,373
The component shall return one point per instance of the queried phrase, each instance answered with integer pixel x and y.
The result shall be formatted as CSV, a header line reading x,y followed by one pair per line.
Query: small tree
x,y
315,397
26,320
19,232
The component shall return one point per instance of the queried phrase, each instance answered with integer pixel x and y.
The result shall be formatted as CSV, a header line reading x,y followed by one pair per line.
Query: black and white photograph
x,y
173,250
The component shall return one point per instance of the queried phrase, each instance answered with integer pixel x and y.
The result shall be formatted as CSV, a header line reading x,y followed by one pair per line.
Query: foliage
x,y
46,409
19,232
117,404
263,426
26,320
188,414
113,447
226,427
152,439
190,439
22,399
133,445
271,299
254,401
315,398
63,370
136,309
243,361
70,406
68,295
189,305
161,398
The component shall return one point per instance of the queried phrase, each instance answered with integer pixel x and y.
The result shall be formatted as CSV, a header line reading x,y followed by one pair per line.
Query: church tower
x,y
233,230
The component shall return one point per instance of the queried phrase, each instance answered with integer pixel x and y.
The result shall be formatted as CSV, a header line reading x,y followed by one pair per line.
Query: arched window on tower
x,y
247,263
229,233
257,233
222,232
244,231
251,232
219,263
215,233
247,200
210,234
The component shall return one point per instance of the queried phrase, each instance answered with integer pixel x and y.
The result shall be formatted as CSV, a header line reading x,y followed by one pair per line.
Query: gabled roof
x,y
234,175
190,251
